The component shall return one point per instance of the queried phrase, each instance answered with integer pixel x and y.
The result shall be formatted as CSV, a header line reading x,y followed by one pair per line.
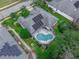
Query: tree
x,y
62,26
24,12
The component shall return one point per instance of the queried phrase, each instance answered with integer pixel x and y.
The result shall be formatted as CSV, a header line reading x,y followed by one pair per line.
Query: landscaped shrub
x,y
24,12
8,22
24,33
62,26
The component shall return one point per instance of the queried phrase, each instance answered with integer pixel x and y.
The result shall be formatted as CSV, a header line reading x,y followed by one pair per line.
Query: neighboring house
x,y
69,7
39,21
9,49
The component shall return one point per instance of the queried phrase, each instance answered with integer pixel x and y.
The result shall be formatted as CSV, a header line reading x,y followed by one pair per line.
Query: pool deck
x,y
44,31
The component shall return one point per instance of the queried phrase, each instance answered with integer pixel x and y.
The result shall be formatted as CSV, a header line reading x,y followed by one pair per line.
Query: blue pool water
x,y
44,37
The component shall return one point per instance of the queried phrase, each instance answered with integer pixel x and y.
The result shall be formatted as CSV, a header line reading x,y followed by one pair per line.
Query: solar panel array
x,y
77,4
37,18
8,50
37,25
38,22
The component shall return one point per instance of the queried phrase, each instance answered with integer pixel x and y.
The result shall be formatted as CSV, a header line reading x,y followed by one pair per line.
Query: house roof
x,y
9,49
69,7
37,19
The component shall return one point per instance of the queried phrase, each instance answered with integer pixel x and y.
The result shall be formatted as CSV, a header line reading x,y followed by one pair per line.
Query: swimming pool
x,y
44,37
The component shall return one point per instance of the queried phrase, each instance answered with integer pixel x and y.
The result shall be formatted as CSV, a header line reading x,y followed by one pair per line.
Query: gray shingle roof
x,y
9,49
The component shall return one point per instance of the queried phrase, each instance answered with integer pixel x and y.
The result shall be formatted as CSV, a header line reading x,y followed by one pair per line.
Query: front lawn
x,y
9,22
24,33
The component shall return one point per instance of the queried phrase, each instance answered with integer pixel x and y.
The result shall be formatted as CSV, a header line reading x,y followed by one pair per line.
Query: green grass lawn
x,y
9,22
24,33
6,2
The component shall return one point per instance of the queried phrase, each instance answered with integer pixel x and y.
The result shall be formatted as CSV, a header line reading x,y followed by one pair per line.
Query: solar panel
x,y
37,18
40,16
37,25
40,23
76,4
8,50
